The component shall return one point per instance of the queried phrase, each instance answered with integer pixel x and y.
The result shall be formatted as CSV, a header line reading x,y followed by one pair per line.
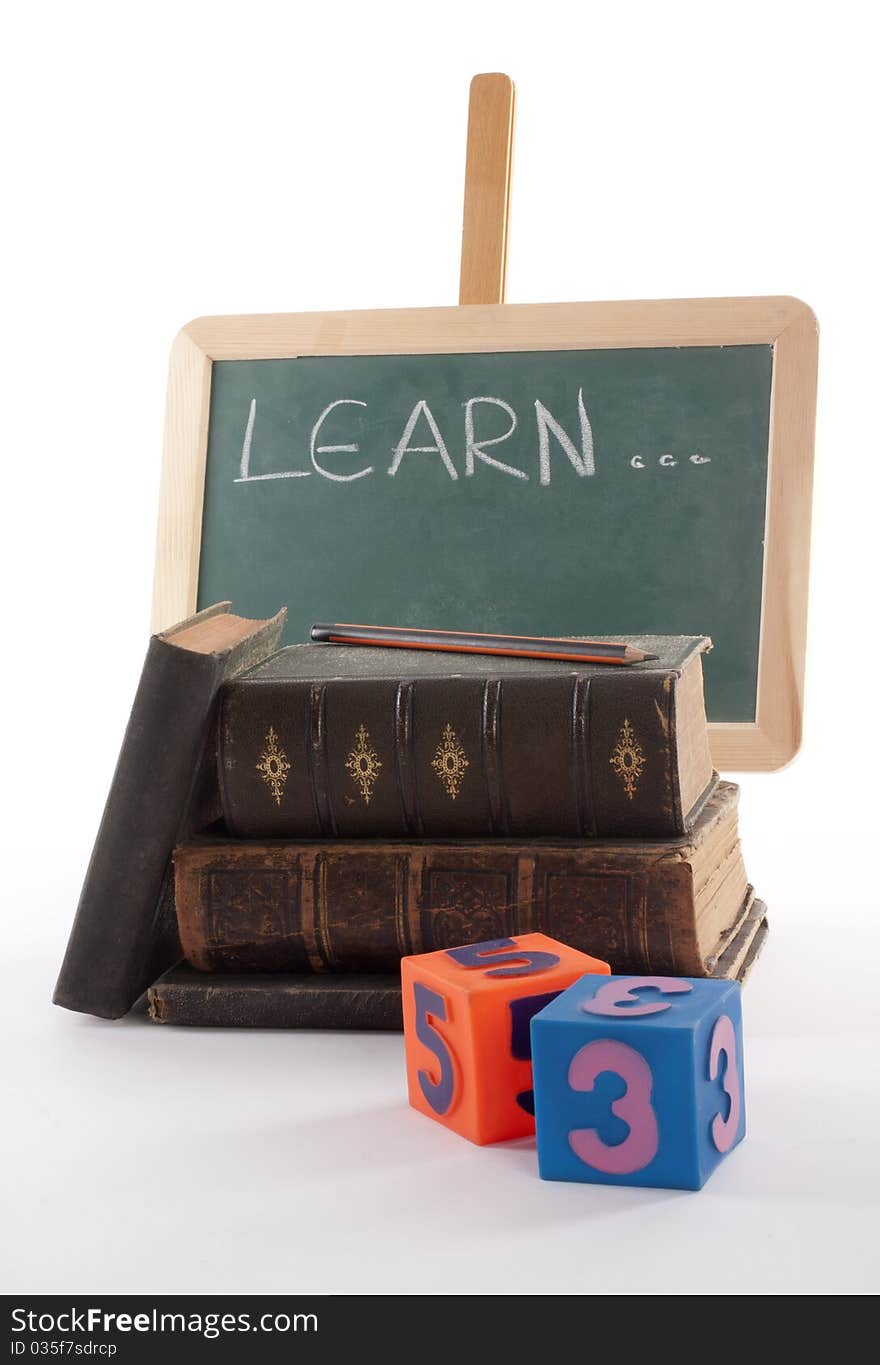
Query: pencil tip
x,y
651,656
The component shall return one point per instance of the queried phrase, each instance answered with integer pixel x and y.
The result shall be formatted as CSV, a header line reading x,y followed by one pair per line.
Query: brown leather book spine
x,y
565,756
351,1001
282,1000
348,907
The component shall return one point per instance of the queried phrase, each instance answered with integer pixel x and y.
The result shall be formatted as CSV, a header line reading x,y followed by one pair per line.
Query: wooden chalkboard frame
x,y
774,737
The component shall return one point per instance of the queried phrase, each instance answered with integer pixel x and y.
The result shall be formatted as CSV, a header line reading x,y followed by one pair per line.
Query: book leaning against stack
x,y
333,808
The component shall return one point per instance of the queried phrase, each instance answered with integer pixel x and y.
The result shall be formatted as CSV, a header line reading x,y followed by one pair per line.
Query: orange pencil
x,y
460,642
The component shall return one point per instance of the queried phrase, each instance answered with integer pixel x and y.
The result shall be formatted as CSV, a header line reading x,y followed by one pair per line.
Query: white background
x,y
167,161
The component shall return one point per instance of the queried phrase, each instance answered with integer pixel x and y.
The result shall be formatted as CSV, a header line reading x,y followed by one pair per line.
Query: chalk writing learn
x,y
550,434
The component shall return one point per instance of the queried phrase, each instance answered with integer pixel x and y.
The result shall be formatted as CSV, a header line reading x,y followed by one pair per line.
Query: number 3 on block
x,y
639,1147
618,998
723,1042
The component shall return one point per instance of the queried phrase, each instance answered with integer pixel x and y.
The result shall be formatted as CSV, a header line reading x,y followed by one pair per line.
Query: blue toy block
x,y
638,1080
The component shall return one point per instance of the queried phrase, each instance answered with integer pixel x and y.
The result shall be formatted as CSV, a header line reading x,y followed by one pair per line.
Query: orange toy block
x,y
466,1016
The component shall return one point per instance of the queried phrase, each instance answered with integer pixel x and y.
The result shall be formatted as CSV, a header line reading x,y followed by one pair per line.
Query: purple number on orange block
x,y
522,1012
634,1106
618,1000
487,955
438,1093
723,1040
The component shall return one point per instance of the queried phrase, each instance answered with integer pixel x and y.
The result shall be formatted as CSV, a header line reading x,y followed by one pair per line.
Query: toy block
x,y
638,1080
466,1015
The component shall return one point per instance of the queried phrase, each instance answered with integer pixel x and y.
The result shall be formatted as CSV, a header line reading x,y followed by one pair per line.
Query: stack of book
x,y
346,806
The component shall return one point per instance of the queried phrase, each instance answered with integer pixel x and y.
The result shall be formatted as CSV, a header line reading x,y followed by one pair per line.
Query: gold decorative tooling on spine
x,y
450,761
628,759
364,764
273,766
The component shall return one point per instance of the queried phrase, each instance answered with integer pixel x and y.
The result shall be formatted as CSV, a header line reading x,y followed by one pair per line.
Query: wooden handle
x,y
487,189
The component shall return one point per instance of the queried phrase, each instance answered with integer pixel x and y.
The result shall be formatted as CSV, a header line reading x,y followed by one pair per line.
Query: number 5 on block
x,y
466,1015
638,1080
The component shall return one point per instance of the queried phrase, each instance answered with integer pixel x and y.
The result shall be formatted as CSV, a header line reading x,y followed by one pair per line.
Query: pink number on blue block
x,y
723,1040
437,1093
617,999
640,1145
486,955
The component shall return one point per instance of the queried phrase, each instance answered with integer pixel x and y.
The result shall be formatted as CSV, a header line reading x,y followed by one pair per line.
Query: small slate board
x,y
564,469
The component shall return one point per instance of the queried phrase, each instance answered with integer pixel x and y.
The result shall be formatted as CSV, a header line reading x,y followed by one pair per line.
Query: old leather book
x,y
643,905
351,1001
349,742
125,932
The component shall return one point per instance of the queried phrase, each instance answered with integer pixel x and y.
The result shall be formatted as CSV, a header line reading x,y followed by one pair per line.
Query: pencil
x,y
461,642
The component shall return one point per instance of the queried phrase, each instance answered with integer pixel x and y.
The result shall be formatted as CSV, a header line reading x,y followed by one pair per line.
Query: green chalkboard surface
x,y
532,492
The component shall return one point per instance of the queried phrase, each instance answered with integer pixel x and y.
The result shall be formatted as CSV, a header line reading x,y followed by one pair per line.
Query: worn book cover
x,y
283,1000
654,906
125,932
351,742
184,996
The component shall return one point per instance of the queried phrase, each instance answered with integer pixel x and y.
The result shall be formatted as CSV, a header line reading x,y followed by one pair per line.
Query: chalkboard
x,y
576,489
